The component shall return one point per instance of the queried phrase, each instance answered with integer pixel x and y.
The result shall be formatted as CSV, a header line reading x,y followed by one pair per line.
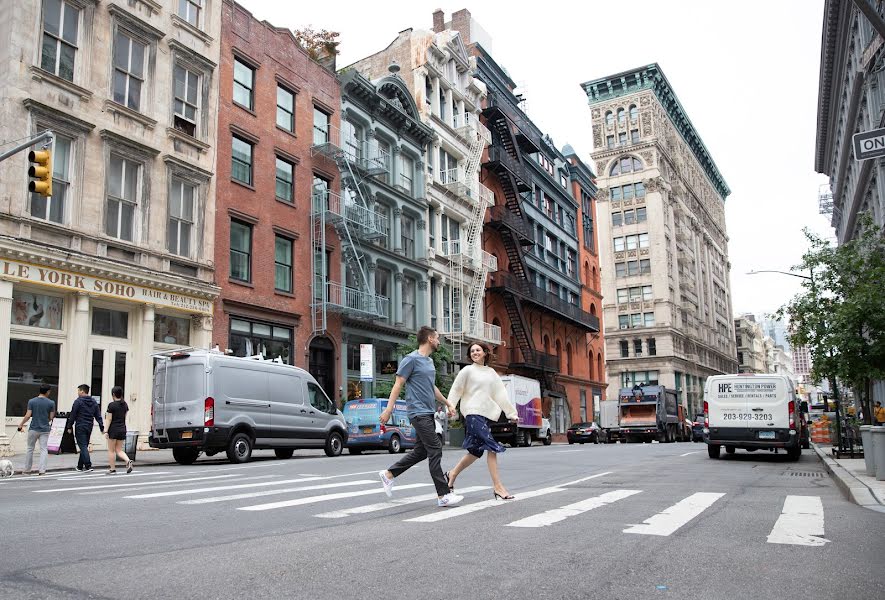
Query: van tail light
x,y
209,412
792,408
383,429
706,415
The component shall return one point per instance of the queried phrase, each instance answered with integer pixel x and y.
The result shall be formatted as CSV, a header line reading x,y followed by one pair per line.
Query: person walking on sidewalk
x,y
41,411
879,414
85,409
483,398
115,415
417,369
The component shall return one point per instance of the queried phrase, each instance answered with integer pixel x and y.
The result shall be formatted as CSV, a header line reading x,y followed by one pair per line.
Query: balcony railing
x,y
543,298
500,157
365,221
527,137
356,302
539,361
468,126
517,224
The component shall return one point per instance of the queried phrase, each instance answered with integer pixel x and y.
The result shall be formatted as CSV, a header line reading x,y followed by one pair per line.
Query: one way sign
x,y
869,144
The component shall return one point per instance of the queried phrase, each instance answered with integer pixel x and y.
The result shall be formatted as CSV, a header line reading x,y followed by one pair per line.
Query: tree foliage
x,y
317,43
840,314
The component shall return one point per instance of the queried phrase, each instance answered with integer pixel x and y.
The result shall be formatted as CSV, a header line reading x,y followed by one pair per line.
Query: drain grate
x,y
804,473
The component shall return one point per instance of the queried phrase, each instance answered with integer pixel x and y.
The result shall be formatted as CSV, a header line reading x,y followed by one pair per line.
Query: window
x,y
30,365
36,310
322,194
617,193
448,167
643,240
626,164
629,217
645,266
648,319
619,244
384,159
320,127
621,117
620,269
640,190
647,292
240,251
636,320
185,105
171,330
634,113
128,70
617,219
623,295
610,141
181,217
53,208
640,215
244,82
609,119
122,198
407,237
625,348
250,338
632,242
652,348
350,140
189,10
61,23
283,264
634,136
623,321
241,155
285,177
318,399
406,173
632,267
409,303
285,109
637,347
622,138
110,323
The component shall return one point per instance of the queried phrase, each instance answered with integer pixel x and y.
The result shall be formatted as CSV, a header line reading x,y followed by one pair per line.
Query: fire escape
x,y
469,264
353,221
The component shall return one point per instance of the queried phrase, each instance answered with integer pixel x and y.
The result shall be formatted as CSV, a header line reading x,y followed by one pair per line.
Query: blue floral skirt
x,y
478,437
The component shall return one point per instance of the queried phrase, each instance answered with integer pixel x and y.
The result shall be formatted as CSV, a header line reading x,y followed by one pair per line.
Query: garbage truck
x,y
650,412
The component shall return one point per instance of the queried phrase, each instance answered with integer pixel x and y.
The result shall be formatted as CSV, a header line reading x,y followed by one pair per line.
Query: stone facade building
x,y
663,241
752,353
119,262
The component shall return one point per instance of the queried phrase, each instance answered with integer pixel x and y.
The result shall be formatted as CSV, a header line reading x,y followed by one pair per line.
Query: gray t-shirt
x,y
420,375
40,408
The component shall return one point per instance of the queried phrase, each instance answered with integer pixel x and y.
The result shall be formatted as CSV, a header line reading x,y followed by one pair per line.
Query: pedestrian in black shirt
x,y
116,433
84,411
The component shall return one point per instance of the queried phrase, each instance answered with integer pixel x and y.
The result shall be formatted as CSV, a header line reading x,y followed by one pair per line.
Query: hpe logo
x,y
724,387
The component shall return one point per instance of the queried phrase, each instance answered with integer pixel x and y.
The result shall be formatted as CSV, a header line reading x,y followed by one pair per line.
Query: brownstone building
x,y
276,105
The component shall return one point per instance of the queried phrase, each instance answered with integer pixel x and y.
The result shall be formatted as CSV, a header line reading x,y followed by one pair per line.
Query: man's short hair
x,y
83,388
424,334
44,389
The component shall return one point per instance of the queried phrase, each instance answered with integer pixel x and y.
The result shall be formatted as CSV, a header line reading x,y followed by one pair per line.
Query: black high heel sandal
x,y
500,497
451,487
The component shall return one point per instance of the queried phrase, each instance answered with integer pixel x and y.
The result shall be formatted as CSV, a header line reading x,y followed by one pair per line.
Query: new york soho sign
x,y
18,271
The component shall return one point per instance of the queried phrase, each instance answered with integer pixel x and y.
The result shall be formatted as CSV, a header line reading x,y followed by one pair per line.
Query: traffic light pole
x,y
46,137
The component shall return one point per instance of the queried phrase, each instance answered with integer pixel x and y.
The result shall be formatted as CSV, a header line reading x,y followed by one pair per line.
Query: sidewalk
x,y
851,476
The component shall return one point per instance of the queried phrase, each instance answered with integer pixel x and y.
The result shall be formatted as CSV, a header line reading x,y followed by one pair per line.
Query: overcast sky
x,y
745,72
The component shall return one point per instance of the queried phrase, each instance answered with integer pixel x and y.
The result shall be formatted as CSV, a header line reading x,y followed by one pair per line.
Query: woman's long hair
x,y
488,353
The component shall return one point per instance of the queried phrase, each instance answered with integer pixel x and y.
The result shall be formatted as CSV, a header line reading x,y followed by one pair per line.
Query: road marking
x,y
119,485
105,475
801,522
458,511
671,519
324,498
570,510
687,453
358,510
567,451
583,479
249,466
213,499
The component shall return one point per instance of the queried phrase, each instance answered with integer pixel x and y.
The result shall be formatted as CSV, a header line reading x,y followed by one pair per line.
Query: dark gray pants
x,y
427,445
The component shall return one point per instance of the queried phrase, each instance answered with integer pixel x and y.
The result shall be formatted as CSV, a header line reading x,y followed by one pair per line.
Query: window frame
x,y
249,90
59,39
249,228
188,4
291,113
290,266
235,160
189,72
179,219
128,74
132,204
277,180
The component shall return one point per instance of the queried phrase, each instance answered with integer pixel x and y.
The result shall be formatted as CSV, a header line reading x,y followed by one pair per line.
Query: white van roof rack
x,y
169,353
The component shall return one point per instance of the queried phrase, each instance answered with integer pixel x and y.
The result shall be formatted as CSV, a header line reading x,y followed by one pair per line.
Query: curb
x,y
852,488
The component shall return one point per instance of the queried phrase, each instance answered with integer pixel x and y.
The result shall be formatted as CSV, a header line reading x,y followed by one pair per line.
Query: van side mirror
x,y
803,407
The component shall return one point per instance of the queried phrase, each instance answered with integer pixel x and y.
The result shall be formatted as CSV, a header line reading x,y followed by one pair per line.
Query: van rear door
x,y
179,394
767,404
726,403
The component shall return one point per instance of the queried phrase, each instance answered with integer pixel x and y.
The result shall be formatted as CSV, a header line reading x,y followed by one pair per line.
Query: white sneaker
x,y
449,499
387,483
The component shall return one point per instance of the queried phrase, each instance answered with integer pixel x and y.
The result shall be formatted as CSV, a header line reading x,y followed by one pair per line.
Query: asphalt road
x,y
607,521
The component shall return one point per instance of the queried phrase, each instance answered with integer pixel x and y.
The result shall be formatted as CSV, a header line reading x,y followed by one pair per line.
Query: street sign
x,y
869,144
366,362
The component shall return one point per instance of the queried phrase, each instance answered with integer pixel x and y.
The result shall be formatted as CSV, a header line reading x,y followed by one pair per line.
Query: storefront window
x,y
172,330
31,364
111,323
248,338
37,310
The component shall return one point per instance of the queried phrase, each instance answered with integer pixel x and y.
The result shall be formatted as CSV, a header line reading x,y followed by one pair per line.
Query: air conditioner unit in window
x,y
625,327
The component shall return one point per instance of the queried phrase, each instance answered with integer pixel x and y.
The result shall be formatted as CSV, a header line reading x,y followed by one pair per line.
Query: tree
x,y
840,314
441,358
318,44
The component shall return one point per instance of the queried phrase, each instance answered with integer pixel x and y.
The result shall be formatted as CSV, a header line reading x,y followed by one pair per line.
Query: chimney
x,y
439,20
461,24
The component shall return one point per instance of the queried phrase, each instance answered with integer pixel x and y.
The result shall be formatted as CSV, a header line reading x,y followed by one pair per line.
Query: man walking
x,y
82,414
41,411
417,369
879,414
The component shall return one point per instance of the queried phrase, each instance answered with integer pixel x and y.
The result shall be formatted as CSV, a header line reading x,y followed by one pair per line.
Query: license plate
x,y
186,435
766,435
368,429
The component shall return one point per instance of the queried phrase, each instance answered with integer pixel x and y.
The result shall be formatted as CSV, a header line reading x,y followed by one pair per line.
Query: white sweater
x,y
481,392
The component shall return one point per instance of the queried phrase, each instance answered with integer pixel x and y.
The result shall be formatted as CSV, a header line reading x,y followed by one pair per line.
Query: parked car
x,y
583,432
697,428
365,431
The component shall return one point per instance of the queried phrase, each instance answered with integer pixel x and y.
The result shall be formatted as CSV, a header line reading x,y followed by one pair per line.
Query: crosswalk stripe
x,y
245,485
135,487
214,499
119,485
458,511
358,510
570,510
95,476
325,497
801,522
669,520
583,479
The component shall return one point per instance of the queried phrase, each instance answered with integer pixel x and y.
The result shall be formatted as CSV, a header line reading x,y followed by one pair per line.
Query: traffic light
x,y
41,171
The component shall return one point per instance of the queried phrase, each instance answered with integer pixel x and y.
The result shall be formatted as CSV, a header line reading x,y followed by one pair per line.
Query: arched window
x,y
600,373
595,283
626,164
634,113
587,279
590,365
622,117
559,354
593,308
609,118
568,358
546,345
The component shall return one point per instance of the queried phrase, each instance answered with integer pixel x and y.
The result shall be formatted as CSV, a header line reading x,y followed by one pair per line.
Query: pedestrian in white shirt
x,y
482,397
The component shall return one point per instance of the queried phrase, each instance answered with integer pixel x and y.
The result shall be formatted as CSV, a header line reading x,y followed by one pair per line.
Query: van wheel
x,y
185,456
794,453
395,445
713,450
284,453
334,444
548,439
239,450
729,449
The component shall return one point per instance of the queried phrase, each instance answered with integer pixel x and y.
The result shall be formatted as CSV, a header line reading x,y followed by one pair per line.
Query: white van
x,y
752,412
206,401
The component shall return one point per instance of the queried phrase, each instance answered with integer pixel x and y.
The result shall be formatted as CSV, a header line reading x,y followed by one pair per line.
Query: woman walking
x,y
483,398
116,432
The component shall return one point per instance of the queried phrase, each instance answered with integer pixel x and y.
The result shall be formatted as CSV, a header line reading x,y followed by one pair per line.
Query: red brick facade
x,y
275,59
